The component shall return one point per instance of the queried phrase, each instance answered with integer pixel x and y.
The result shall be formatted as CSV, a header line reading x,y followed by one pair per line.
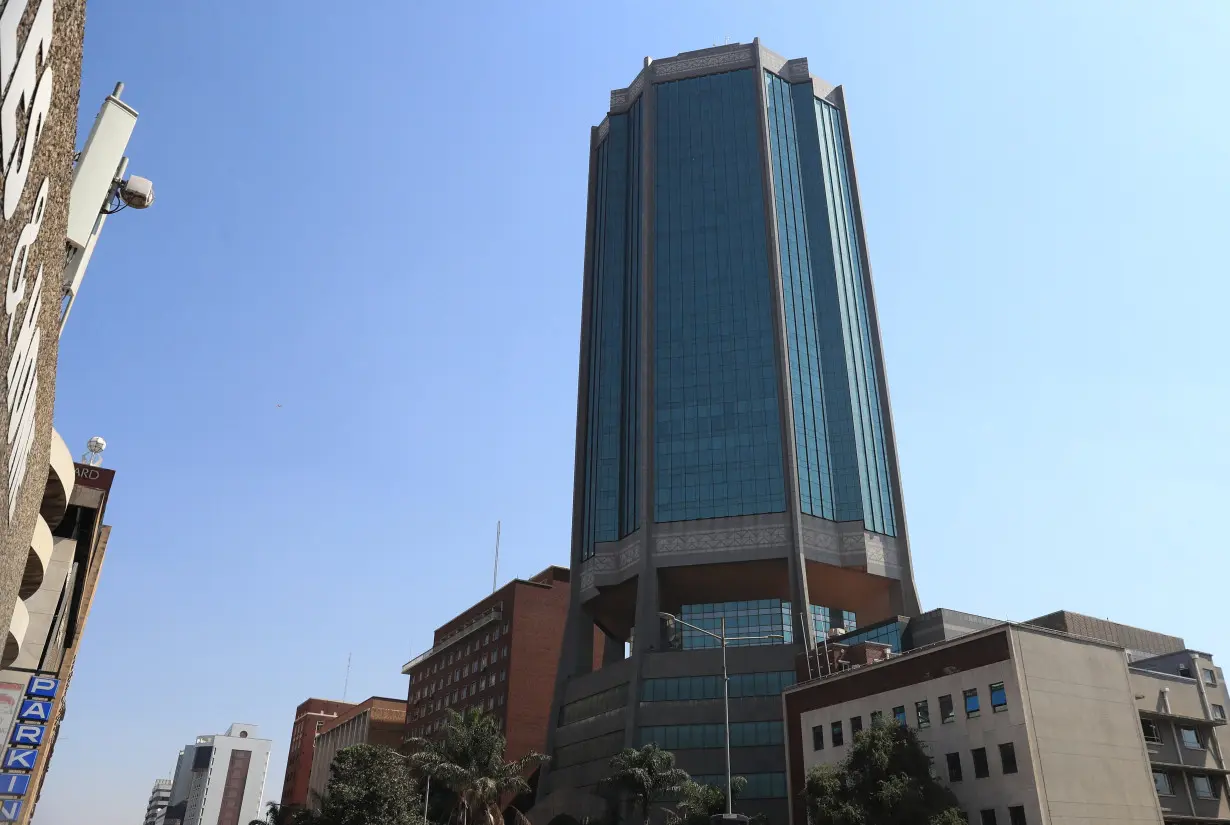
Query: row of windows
x,y
450,699
922,714
1016,816
759,785
742,734
590,750
447,660
491,704
758,622
460,673
689,688
1189,737
1201,785
591,706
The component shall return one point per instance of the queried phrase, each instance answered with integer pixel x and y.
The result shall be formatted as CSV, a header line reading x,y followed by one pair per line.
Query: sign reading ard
x,y
22,752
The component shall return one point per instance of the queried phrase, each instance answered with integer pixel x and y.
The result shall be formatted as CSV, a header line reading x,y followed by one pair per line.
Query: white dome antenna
x,y
93,451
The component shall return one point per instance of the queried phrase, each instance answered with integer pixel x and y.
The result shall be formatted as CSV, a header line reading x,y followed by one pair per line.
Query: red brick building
x,y
310,718
499,655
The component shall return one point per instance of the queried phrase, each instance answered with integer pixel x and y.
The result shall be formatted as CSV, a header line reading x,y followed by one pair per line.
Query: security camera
x,y
137,192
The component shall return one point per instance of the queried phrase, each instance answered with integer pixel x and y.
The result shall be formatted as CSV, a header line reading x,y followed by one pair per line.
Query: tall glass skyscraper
x,y
735,456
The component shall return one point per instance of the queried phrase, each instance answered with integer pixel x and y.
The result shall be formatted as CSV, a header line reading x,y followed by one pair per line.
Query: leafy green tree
x,y
697,802
885,780
469,761
368,785
645,774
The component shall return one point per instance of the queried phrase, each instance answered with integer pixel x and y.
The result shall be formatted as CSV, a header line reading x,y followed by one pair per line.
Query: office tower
x,y
220,779
156,809
310,717
735,455
499,655
375,721
56,595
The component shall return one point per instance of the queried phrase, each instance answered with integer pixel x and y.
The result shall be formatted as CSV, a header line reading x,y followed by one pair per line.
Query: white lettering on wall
x,y
27,93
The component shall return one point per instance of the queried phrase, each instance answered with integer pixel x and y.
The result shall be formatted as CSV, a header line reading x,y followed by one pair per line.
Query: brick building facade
x,y
500,655
310,718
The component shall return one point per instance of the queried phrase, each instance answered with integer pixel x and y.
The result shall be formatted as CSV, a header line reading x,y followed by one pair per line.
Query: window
x,y
838,736
499,700
484,660
505,627
465,671
947,714
505,652
684,688
1007,757
988,816
1210,678
684,737
1219,713
503,675
490,703
981,768
1016,815
999,698
971,703
856,725
1153,734
817,738
899,715
954,767
1203,787
486,638
876,717
1190,739
924,715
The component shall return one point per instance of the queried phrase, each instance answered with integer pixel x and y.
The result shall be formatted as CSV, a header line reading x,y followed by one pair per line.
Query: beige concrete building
x,y
1032,725
375,721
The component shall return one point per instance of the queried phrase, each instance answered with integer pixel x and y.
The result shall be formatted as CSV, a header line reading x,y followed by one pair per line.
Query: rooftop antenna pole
x,y
496,572
346,687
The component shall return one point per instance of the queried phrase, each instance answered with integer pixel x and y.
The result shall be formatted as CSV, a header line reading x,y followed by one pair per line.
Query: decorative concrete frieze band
x,y
666,68
821,545
604,127
796,70
736,538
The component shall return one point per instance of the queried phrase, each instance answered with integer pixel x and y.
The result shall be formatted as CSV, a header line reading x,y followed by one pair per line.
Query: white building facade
x,y
220,779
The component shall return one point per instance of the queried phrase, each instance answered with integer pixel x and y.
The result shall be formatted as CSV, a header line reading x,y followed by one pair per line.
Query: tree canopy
x,y
369,785
885,779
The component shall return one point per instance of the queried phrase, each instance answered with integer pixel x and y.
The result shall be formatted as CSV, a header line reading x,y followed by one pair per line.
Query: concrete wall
x,y
1086,737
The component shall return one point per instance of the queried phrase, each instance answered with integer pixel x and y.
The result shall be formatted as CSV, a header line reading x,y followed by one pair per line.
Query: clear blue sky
x,y
373,214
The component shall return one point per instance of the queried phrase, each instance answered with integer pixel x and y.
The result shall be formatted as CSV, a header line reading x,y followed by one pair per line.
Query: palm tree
x,y
646,773
469,761
278,815
698,803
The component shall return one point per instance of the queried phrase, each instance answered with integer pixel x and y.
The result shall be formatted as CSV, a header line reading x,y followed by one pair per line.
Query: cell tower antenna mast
x,y
495,573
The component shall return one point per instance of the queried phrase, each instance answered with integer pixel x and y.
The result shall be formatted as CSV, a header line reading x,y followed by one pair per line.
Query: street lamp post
x,y
723,639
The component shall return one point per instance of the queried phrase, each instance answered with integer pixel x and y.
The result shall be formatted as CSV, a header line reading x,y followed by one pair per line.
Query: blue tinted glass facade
x,y
824,619
885,634
834,377
758,617
798,299
717,441
610,509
